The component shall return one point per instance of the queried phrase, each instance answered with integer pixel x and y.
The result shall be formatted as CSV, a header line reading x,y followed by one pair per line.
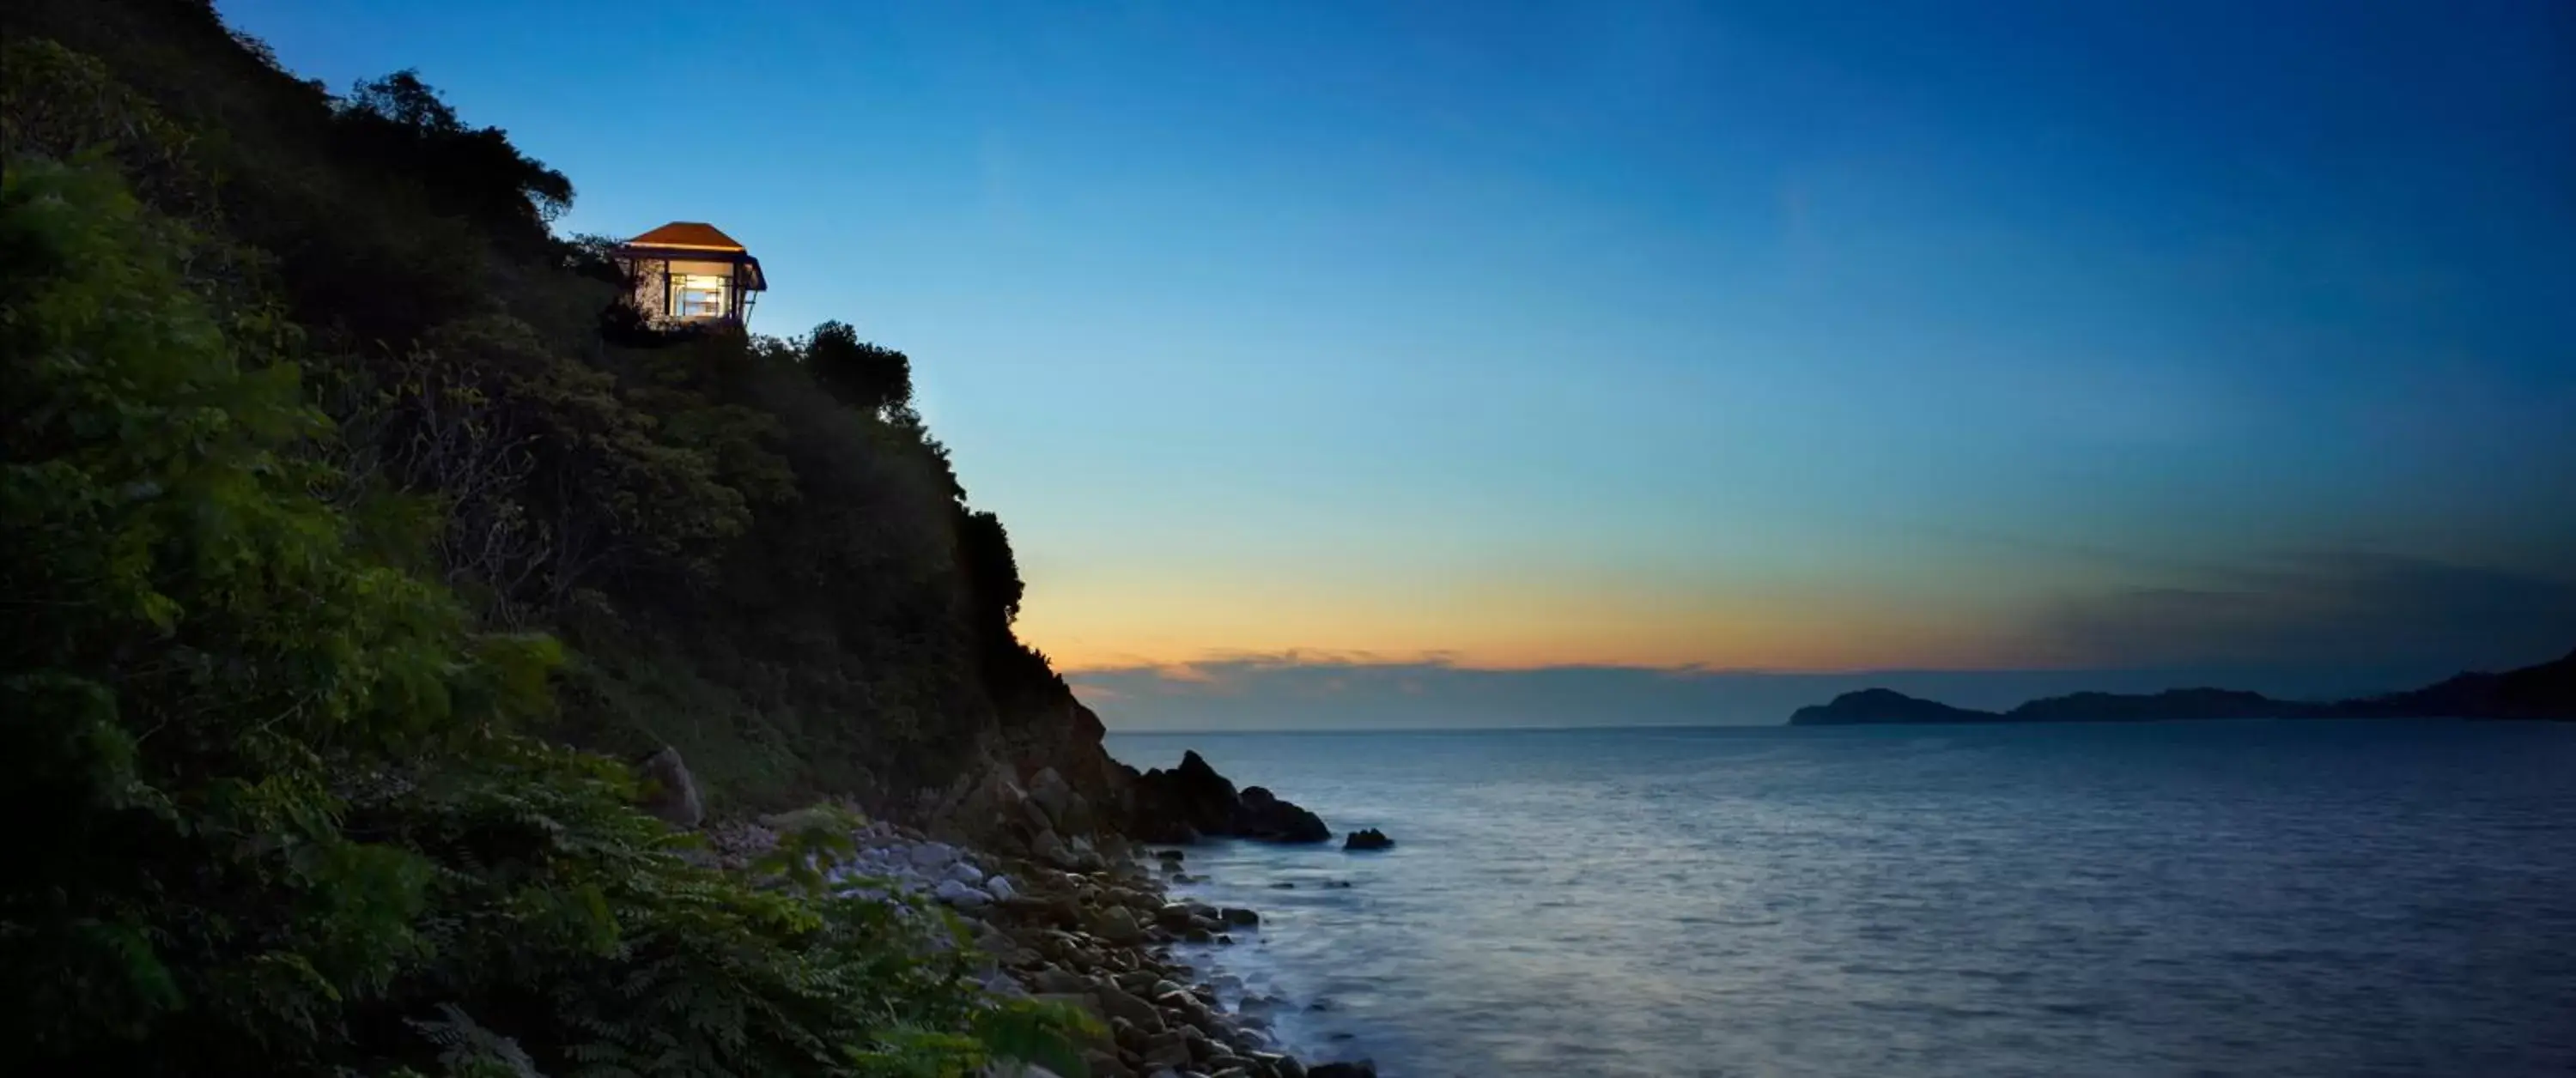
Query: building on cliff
x,y
688,275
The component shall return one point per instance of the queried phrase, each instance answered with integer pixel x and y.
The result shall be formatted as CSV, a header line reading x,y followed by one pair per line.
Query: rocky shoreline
x,y
1092,926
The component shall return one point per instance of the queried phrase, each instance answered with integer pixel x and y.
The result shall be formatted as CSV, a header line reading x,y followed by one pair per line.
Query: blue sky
x,y
2206,338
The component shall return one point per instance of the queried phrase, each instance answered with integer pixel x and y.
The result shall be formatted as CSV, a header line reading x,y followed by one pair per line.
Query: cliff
x,y
2546,691
357,546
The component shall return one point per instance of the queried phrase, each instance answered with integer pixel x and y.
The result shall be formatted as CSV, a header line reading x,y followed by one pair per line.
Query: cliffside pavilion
x,y
689,274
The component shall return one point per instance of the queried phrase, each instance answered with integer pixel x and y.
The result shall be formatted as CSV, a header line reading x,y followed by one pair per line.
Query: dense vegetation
x,y
339,513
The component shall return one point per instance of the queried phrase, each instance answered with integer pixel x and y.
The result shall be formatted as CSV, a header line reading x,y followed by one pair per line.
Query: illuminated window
x,y
698,296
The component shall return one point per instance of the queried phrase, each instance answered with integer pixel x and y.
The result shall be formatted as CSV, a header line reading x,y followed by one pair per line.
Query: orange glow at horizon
x,y
1098,624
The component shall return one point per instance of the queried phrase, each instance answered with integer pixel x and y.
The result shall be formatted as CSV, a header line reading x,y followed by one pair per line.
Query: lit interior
x,y
697,296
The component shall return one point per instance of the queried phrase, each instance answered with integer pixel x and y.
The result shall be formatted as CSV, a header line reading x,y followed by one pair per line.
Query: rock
x,y
958,894
1168,855
1361,1069
1235,915
933,855
999,886
1183,803
1173,1052
1056,982
669,792
1052,793
1261,815
1367,839
1118,1004
1114,924
967,874
1050,848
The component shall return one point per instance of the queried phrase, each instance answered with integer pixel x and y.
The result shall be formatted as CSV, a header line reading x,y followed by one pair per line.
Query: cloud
x,y
1276,692
2412,617
2317,625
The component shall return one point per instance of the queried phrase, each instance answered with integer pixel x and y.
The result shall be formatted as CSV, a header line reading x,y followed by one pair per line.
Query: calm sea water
x,y
2181,899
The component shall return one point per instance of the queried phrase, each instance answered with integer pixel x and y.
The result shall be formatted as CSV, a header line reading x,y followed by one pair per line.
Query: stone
x,y
1114,924
967,874
1360,1069
958,894
1118,1004
1170,1053
933,855
1056,982
670,793
1051,793
1050,848
1236,915
1367,839
999,886
1261,815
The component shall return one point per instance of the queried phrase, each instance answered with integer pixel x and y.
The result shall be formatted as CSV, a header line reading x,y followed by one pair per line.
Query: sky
x,y
1486,363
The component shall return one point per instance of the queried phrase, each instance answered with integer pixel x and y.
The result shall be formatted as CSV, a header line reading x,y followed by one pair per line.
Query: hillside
x,y
357,544
2545,691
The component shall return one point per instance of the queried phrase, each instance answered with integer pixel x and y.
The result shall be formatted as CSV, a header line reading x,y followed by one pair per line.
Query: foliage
x,y
290,829
311,428
874,380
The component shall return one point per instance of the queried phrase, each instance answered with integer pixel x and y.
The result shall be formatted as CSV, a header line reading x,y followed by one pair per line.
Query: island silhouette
x,y
2546,691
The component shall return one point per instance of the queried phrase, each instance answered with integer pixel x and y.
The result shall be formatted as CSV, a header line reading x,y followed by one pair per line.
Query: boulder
x,y
1190,798
1172,1053
1049,790
961,895
1186,802
1235,915
1056,982
1062,804
1261,815
1367,839
669,792
1118,1004
1362,1069
1115,925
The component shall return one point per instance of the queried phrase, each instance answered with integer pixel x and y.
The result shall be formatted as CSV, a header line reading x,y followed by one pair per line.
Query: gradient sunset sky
x,y
1377,344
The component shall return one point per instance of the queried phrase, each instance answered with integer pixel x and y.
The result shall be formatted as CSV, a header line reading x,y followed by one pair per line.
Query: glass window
x,y
698,296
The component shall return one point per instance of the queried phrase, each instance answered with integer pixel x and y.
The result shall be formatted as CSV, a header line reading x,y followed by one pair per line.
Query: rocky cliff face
x,y
1041,786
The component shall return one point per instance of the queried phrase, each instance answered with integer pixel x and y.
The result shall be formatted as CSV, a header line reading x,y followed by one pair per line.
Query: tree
x,y
874,380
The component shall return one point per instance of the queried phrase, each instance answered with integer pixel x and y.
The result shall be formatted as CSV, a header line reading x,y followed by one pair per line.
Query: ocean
x,y
2256,898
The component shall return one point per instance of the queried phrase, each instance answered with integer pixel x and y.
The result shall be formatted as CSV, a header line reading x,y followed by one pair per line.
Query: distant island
x,y
2543,692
